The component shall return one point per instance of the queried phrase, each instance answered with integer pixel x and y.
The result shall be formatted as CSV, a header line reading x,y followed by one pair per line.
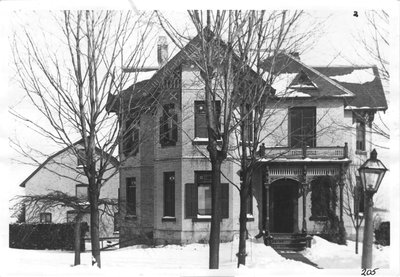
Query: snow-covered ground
x,y
189,260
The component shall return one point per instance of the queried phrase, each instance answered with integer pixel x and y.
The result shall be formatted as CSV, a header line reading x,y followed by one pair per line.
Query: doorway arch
x,y
283,209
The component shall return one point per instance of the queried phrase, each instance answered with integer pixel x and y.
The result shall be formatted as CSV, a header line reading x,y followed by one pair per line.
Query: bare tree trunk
x,y
242,223
215,214
77,233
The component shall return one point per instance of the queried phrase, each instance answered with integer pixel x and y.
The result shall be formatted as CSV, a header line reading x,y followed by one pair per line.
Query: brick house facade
x,y
319,131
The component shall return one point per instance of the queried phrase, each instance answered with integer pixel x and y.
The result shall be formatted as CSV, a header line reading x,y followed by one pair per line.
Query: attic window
x,y
81,158
302,81
130,143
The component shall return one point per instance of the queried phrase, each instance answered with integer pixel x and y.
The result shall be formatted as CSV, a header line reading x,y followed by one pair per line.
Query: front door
x,y
284,206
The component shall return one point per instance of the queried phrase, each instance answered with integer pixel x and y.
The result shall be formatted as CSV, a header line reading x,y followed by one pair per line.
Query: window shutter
x,y
190,200
224,200
174,129
162,131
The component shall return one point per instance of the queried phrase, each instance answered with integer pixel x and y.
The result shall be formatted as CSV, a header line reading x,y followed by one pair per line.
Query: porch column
x,y
341,185
304,190
266,188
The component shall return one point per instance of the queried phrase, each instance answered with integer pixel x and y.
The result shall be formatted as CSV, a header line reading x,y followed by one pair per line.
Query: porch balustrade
x,y
333,152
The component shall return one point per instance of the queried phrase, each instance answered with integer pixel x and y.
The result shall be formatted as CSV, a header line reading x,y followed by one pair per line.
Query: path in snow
x,y
292,255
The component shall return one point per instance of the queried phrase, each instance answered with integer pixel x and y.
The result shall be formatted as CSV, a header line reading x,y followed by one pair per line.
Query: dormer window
x,y
169,126
302,81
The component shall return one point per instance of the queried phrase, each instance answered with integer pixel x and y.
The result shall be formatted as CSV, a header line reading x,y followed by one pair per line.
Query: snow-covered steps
x,y
288,241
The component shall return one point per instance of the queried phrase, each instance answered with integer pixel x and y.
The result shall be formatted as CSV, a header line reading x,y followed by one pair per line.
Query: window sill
x,y
203,141
250,218
361,152
200,141
168,219
131,217
318,218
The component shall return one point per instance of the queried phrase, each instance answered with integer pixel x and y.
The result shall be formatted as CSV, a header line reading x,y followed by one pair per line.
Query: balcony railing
x,y
333,152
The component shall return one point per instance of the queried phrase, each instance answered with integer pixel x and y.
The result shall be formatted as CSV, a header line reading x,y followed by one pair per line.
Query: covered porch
x,y
301,189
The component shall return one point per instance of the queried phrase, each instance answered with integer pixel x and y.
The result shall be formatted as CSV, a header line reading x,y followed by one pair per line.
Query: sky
x,y
335,45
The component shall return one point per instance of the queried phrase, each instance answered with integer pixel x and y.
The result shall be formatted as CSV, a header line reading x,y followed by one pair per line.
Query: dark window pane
x,y
360,135
302,126
200,118
131,196
130,142
169,126
320,197
169,194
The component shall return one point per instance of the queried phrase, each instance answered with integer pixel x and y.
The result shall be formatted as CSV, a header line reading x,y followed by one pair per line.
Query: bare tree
x,y
376,41
35,204
352,201
67,79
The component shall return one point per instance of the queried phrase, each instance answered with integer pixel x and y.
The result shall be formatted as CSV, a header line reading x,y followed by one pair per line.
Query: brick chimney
x,y
162,51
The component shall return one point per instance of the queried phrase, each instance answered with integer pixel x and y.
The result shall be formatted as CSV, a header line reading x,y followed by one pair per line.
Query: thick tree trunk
x,y
215,214
242,223
94,223
77,242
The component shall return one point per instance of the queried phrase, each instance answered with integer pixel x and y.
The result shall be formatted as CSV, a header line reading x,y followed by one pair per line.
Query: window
x,y
360,135
169,194
116,222
81,158
130,143
45,217
131,196
302,127
71,216
168,126
248,124
358,197
200,123
198,197
81,191
320,198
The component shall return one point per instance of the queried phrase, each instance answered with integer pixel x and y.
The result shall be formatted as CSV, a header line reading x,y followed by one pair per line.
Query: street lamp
x,y
371,173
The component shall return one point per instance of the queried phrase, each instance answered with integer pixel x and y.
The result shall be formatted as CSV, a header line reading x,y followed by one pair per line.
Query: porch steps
x,y
288,241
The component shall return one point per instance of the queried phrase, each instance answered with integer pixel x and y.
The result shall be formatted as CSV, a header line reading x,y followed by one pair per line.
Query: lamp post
x,y
371,173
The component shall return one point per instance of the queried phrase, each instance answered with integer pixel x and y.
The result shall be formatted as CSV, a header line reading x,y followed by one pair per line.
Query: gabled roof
x,y
322,86
113,160
363,81
139,92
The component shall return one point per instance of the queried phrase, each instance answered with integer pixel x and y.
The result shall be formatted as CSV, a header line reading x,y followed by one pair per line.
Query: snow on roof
x,y
357,76
311,160
145,75
282,82
292,93
363,108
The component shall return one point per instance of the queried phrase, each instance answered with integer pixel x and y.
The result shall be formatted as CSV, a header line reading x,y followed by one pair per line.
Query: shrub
x,y
382,234
45,236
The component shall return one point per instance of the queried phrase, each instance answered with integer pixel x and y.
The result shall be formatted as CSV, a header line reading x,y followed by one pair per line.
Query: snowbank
x,y
189,260
331,255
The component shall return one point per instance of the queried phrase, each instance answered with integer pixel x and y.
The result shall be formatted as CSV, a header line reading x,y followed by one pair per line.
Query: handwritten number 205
x,y
366,272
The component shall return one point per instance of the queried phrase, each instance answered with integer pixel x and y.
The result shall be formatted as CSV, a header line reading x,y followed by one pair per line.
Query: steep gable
x,y
363,81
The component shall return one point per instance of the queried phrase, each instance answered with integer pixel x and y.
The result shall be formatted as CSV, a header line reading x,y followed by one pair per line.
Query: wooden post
x,y
266,187
304,225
